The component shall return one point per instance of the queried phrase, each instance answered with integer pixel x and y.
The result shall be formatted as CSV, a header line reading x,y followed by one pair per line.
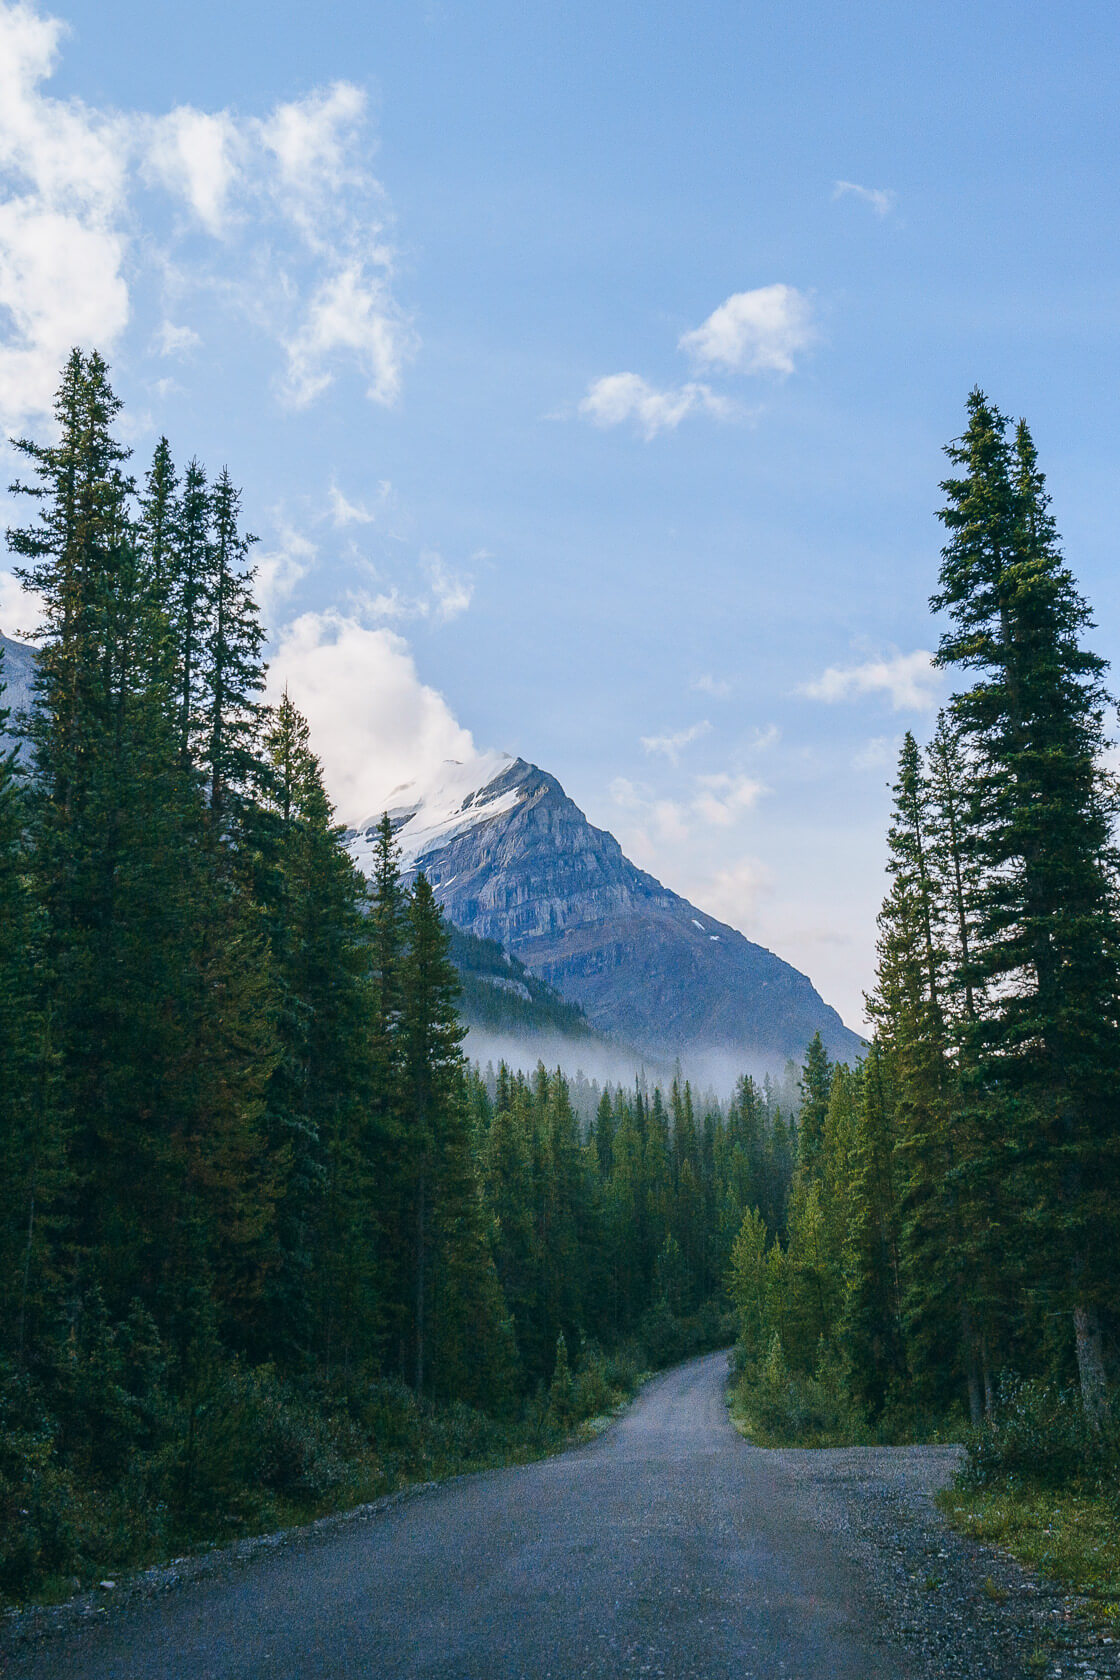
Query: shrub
x,y
1040,1434
791,1409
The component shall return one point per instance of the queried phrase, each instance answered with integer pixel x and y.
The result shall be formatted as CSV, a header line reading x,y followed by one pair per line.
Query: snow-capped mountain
x,y
513,859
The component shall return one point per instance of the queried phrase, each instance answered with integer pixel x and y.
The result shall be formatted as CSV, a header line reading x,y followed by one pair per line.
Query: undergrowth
x,y
1041,1481
143,1471
776,1406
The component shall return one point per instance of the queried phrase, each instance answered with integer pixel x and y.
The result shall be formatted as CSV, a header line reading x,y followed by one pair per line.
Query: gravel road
x,y
668,1547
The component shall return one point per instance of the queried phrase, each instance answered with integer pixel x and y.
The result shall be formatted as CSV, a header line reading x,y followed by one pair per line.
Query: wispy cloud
x,y
447,596
672,745
172,340
292,225
452,592
723,798
619,397
717,800
717,687
282,567
909,681
344,512
879,753
881,199
732,894
760,331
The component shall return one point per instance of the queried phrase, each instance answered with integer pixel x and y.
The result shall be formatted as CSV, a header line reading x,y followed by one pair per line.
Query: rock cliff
x,y
515,860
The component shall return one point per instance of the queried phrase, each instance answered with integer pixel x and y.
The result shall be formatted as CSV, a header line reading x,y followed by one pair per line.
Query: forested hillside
x,y
267,1244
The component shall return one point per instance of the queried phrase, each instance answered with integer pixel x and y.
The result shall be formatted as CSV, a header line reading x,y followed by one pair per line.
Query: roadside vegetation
x,y
945,1266
268,1245
1042,1483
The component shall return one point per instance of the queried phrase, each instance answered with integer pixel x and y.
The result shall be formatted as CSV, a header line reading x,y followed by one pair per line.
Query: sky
x,y
586,370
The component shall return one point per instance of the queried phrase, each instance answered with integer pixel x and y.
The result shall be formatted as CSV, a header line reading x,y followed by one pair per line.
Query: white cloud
x,y
715,686
732,894
280,570
175,341
619,397
350,316
754,332
374,724
315,142
20,609
197,156
908,679
60,284
881,199
345,512
673,745
293,215
723,798
63,174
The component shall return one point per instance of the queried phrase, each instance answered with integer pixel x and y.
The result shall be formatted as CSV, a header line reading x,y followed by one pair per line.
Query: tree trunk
x,y
1090,1366
972,1370
421,1247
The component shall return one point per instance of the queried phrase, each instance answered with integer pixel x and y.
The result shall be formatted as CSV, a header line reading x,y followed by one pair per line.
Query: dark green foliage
x,y
1039,1433
497,992
957,1219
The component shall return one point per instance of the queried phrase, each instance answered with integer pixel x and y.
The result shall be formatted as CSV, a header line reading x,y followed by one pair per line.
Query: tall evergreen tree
x,y
234,671
1047,1046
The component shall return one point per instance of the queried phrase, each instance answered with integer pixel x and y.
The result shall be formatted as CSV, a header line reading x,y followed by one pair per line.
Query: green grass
x,y
1070,1536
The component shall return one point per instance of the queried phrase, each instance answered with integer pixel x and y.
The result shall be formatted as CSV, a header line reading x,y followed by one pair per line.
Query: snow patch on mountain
x,y
425,816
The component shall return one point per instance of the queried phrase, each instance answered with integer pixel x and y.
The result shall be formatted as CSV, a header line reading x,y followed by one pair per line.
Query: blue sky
x,y
587,369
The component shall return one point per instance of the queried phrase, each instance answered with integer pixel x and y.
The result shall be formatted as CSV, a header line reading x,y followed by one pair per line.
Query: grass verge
x,y
1070,1536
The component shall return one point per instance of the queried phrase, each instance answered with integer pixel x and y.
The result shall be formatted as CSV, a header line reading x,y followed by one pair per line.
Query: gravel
x,y
668,1547
960,1610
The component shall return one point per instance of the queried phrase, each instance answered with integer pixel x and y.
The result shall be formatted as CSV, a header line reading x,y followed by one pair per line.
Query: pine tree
x,y
157,1025
816,1088
949,1232
1041,813
189,569
32,1158
323,1287
234,673
432,1091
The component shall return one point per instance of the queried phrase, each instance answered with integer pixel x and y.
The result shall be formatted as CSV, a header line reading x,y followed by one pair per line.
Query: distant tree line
x,y
954,1219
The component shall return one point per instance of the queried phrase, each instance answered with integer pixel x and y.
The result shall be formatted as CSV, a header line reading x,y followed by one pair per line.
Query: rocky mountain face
x,y
513,859
17,673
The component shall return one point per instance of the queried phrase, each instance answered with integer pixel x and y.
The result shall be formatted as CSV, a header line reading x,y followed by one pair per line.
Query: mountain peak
x,y
513,859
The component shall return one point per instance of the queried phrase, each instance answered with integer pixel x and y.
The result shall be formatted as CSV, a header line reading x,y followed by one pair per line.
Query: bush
x,y
784,1408
1037,1433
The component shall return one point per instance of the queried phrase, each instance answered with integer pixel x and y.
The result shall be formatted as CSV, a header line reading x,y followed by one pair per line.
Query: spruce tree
x,y
1041,814
323,1286
432,1093
234,673
189,563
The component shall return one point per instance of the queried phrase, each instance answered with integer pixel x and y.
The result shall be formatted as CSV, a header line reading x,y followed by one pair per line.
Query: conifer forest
x,y
271,1245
